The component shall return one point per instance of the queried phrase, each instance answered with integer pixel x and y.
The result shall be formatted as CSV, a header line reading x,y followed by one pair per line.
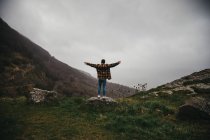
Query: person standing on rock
x,y
103,73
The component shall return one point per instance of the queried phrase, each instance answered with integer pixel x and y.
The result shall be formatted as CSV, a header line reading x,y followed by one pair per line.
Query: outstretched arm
x,y
89,64
114,64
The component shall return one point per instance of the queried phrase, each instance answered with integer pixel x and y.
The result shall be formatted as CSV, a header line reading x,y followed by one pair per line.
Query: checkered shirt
x,y
103,70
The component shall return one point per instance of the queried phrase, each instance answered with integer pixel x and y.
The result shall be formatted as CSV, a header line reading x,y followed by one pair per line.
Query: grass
x,y
71,118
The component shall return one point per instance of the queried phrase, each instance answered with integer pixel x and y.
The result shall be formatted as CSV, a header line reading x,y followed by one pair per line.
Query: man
x,y
103,73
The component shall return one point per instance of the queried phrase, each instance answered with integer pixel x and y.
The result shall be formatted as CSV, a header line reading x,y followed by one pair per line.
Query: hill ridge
x,y
24,62
197,82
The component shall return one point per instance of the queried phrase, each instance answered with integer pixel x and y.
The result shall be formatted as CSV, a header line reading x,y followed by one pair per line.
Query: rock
x,y
168,92
181,88
154,93
195,108
101,101
201,86
42,96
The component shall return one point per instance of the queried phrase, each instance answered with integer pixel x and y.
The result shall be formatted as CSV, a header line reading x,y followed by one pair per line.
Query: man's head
x,y
103,61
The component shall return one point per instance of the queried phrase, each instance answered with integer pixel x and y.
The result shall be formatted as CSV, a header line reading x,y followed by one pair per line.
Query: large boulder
x,y
195,108
101,101
42,96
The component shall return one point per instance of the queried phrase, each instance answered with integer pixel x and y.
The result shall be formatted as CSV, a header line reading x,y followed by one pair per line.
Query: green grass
x,y
71,118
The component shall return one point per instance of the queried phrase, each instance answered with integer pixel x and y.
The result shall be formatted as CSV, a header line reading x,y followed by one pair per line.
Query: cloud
x,y
157,41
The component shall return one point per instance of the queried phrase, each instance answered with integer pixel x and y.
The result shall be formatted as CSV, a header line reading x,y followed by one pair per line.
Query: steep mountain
x,y
24,65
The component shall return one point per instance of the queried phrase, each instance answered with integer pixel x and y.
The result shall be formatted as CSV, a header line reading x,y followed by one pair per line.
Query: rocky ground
x,y
193,83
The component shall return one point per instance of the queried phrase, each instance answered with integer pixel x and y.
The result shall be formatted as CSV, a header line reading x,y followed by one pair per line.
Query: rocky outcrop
x,y
195,78
198,82
195,108
101,101
42,96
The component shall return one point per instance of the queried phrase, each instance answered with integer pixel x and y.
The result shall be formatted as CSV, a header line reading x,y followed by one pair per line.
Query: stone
x,y
195,108
168,92
42,96
184,88
101,101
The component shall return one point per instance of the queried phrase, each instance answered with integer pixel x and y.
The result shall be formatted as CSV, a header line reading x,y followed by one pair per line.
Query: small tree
x,y
140,87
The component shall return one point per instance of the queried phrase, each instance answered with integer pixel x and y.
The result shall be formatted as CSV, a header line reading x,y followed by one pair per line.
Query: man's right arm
x,y
90,64
114,64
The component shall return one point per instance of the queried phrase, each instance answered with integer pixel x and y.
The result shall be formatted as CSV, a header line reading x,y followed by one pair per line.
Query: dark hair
x,y
103,61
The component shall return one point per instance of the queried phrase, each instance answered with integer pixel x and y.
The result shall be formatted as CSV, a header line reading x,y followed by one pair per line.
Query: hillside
x,y
24,65
150,115
195,83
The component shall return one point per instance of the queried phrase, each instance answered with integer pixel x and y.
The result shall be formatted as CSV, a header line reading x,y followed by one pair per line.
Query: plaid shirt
x,y
103,70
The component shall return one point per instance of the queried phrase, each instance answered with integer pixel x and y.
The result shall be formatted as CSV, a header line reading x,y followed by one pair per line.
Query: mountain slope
x,y
146,115
195,83
24,65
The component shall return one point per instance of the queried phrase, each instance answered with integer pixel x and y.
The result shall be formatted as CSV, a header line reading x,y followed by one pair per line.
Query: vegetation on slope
x,y
71,118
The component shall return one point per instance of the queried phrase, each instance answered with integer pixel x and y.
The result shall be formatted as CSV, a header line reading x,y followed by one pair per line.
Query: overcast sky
x,y
157,41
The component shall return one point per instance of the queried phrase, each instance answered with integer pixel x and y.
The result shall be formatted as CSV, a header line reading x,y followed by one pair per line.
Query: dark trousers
x,y
102,82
